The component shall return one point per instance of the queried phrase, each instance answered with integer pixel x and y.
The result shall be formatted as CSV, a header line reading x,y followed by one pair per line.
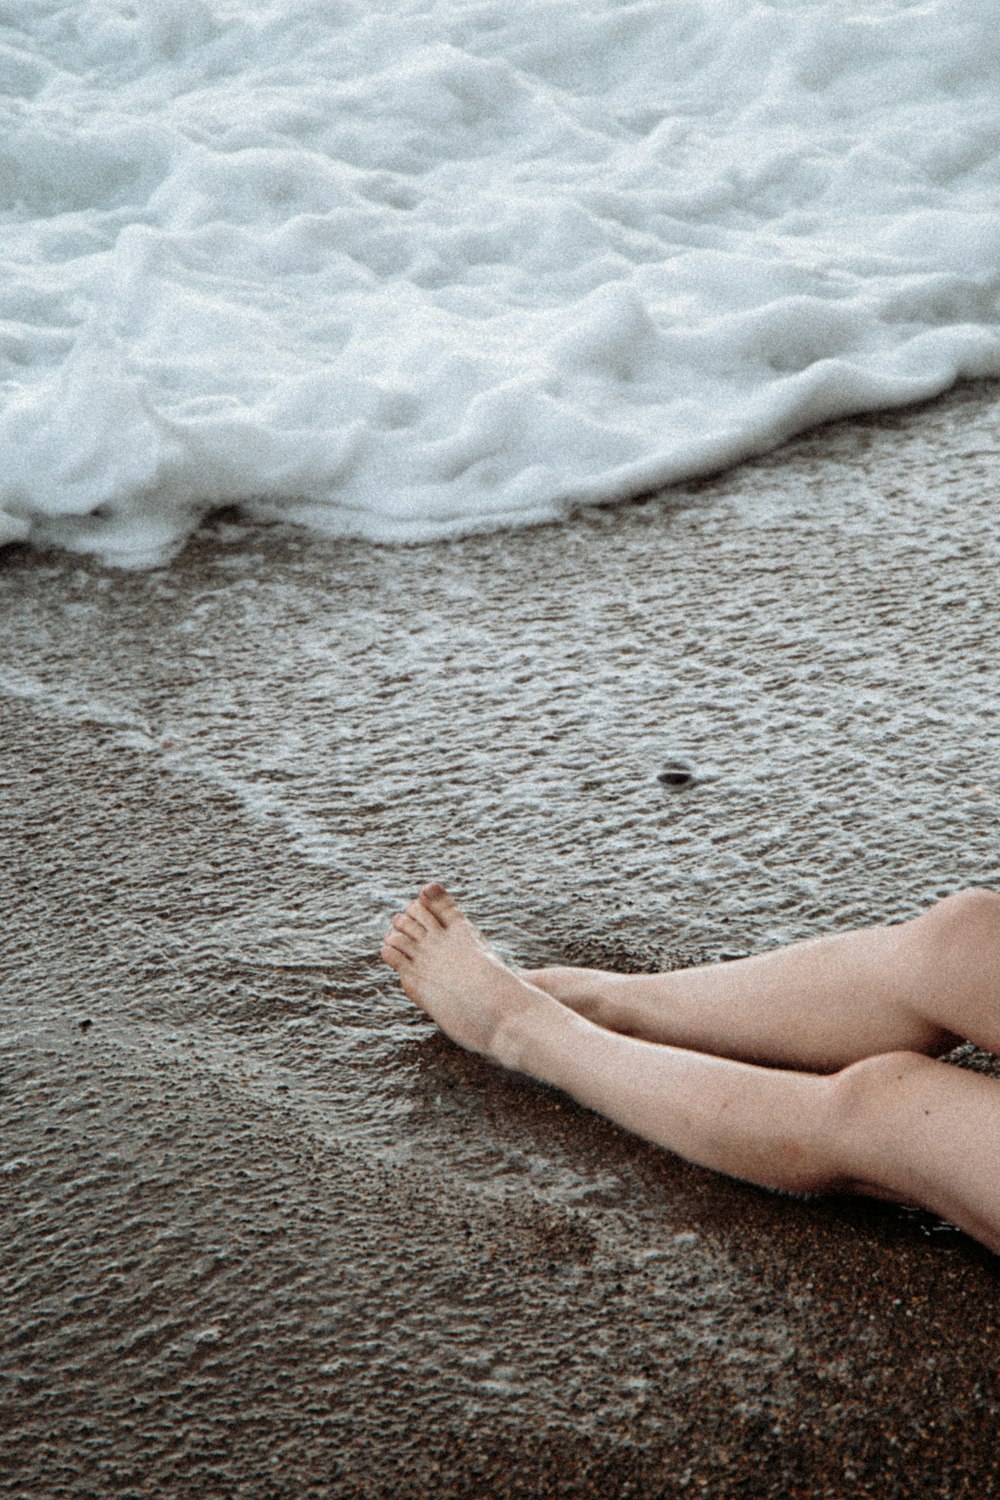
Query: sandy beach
x,y
267,1234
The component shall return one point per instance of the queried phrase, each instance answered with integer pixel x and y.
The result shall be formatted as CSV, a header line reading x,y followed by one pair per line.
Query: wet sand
x,y
266,1234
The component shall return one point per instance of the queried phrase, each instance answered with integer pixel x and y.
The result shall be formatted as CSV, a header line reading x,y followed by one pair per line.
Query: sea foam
x,y
404,269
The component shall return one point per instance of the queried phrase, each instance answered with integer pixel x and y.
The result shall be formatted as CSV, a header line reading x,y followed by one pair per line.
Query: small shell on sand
x,y
676,774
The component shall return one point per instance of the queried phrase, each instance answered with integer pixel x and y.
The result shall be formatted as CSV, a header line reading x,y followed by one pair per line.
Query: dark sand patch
x,y
267,1235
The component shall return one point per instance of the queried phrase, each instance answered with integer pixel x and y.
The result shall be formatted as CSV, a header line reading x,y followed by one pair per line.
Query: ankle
x,y
523,1028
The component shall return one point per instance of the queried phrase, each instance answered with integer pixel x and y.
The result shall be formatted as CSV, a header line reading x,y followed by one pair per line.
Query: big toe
x,y
440,905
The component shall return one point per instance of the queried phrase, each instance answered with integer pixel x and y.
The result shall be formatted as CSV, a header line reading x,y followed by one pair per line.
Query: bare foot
x,y
447,968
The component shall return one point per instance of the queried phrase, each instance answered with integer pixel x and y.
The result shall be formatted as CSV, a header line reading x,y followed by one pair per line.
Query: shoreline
x,y
269,1234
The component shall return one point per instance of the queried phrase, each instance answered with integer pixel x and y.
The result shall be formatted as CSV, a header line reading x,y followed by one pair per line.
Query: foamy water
x,y
406,270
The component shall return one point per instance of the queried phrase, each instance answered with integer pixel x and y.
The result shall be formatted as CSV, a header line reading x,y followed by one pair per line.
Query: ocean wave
x,y
410,271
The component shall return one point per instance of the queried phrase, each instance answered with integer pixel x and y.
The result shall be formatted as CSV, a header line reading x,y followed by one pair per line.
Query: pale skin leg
x,y
891,1123
818,1004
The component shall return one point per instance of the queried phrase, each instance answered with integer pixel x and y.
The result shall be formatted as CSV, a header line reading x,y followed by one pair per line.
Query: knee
x,y
969,918
840,1136
870,1079
860,1098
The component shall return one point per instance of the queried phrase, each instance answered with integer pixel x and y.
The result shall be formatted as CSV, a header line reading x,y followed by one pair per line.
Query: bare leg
x,y
896,1125
920,986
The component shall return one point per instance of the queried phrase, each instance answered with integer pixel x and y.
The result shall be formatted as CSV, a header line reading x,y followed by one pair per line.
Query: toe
x,y
408,926
418,914
396,950
435,899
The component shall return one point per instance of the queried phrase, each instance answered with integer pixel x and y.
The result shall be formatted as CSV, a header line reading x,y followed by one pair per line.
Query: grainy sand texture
x,y
266,1235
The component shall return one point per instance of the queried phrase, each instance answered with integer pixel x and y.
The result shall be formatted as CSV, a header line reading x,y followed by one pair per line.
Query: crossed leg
x,y
921,986
664,1055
